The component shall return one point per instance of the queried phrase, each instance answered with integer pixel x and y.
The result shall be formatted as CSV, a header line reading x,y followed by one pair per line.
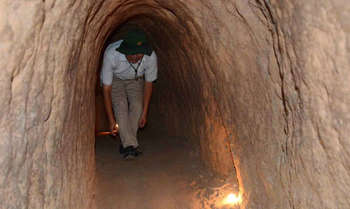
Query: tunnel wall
x,y
269,79
313,40
46,108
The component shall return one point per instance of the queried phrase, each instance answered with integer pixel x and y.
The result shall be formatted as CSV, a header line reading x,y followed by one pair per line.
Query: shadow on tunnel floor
x,y
168,175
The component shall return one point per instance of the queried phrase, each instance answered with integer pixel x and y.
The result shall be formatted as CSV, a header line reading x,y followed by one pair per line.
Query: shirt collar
x,y
123,58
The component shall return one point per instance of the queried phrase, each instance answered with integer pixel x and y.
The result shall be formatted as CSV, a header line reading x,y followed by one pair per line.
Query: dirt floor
x,y
167,176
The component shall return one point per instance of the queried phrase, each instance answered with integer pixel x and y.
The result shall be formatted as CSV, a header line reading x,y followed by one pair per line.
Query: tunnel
x,y
260,89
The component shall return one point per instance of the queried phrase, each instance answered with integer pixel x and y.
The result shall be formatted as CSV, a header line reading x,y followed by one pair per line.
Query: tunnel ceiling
x,y
259,87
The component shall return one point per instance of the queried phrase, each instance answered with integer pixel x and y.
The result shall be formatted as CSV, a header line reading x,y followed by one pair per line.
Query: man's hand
x,y
113,127
146,98
143,120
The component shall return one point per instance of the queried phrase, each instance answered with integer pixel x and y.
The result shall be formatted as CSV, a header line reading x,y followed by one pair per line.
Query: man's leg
x,y
134,91
121,111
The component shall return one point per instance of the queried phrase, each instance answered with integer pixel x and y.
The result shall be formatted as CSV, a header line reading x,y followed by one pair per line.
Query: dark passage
x,y
169,174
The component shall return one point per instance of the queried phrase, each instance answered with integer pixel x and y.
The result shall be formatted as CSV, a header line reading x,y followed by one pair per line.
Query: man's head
x,y
135,44
134,58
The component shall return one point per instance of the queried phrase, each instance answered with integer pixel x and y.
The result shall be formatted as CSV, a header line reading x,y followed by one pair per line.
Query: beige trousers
x,y
127,100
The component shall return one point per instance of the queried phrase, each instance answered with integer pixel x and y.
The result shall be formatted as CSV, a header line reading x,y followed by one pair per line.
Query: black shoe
x,y
129,153
129,156
122,150
137,151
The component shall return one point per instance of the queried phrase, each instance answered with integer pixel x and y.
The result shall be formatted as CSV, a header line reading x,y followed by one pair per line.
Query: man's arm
x,y
108,106
150,76
146,99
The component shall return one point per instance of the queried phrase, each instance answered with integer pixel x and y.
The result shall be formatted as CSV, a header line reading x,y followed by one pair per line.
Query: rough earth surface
x,y
168,175
262,83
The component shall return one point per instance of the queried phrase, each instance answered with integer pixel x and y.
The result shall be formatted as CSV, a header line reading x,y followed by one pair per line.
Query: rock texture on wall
x,y
268,80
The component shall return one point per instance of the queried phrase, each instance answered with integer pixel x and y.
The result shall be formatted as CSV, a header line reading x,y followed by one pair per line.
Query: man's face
x,y
134,58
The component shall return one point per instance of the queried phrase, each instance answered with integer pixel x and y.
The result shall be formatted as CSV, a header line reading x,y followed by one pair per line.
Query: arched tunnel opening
x,y
182,91
258,88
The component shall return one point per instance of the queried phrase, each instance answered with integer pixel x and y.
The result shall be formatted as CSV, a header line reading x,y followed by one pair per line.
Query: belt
x,y
139,78
134,79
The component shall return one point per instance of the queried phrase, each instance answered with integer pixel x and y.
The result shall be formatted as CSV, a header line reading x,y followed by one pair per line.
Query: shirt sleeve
x,y
107,69
151,72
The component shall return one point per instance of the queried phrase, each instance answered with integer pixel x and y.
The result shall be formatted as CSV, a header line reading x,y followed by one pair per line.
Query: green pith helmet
x,y
135,42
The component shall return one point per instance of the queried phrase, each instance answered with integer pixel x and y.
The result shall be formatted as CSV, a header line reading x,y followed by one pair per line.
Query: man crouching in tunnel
x,y
128,70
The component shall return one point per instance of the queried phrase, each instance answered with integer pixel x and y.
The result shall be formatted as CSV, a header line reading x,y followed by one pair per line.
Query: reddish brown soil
x,y
167,176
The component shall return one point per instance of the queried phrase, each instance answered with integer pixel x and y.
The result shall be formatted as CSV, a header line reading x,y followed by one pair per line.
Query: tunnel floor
x,y
169,175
